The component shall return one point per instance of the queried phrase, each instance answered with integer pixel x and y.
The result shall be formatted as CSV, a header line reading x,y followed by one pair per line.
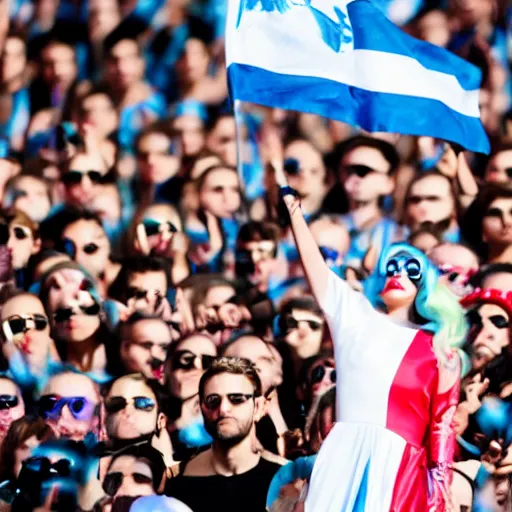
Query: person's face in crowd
x,y
502,489
73,418
489,333
304,332
99,111
83,179
220,193
14,59
23,452
222,140
261,354
305,169
333,240
125,66
499,168
163,218
32,198
59,67
36,331
226,421
104,17
434,27
368,188
153,283
497,223
190,360
68,293
14,406
193,64
457,265
218,295
430,200
263,256
156,164
107,204
92,248
189,131
498,281
399,290
21,244
321,377
138,417
145,350
137,477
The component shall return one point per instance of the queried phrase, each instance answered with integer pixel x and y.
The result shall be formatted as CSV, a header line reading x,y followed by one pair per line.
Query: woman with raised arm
x,y
398,381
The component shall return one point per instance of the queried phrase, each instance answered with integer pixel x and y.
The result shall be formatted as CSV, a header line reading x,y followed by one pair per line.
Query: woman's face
x,y
189,362
74,313
502,489
220,193
90,244
497,223
400,290
304,332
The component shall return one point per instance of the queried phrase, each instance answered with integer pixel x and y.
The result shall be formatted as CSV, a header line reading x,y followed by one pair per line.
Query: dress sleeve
x,y
441,446
347,311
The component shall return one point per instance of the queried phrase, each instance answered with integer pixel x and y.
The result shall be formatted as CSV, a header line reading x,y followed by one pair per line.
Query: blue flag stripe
x,y
374,112
382,35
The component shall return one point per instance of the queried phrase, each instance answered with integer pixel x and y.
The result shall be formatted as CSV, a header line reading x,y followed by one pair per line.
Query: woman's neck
x,y
402,316
82,354
365,214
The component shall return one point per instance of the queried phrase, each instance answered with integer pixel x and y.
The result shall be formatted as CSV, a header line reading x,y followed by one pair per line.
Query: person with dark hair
x,y
499,167
366,167
487,224
494,275
12,405
233,470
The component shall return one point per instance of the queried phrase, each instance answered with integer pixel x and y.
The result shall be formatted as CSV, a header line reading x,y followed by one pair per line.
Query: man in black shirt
x,y
232,475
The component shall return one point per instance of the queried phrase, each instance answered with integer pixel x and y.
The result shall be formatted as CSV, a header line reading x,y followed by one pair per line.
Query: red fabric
x,y
411,399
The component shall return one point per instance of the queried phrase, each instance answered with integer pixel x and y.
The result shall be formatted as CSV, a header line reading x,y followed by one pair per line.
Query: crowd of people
x,y
171,338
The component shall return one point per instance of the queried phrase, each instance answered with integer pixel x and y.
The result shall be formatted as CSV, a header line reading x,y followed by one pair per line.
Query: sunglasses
x,y
318,374
360,171
212,402
329,254
75,177
155,227
292,323
185,360
8,402
64,314
115,404
496,213
113,481
475,320
43,466
412,268
141,293
18,324
21,232
420,199
291,166
50,406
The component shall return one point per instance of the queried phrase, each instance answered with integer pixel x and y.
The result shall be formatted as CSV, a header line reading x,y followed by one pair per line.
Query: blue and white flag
x,y
347,61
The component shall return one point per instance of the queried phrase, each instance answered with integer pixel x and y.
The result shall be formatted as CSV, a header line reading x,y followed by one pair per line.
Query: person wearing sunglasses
x,y
489,315
12,406
82,177
23,242
414,311
137,470
269,365
233,471
145,343
302,326
366,169
133,411
69,404
84,240
26,337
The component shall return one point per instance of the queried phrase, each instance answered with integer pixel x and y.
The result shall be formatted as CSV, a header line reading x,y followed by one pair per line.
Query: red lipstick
x,y
393,284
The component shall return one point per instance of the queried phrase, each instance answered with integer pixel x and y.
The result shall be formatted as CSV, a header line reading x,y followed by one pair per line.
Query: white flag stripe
x,y
366,69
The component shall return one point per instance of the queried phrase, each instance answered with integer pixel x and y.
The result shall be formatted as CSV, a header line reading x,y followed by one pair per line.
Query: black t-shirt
x,y
247,491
